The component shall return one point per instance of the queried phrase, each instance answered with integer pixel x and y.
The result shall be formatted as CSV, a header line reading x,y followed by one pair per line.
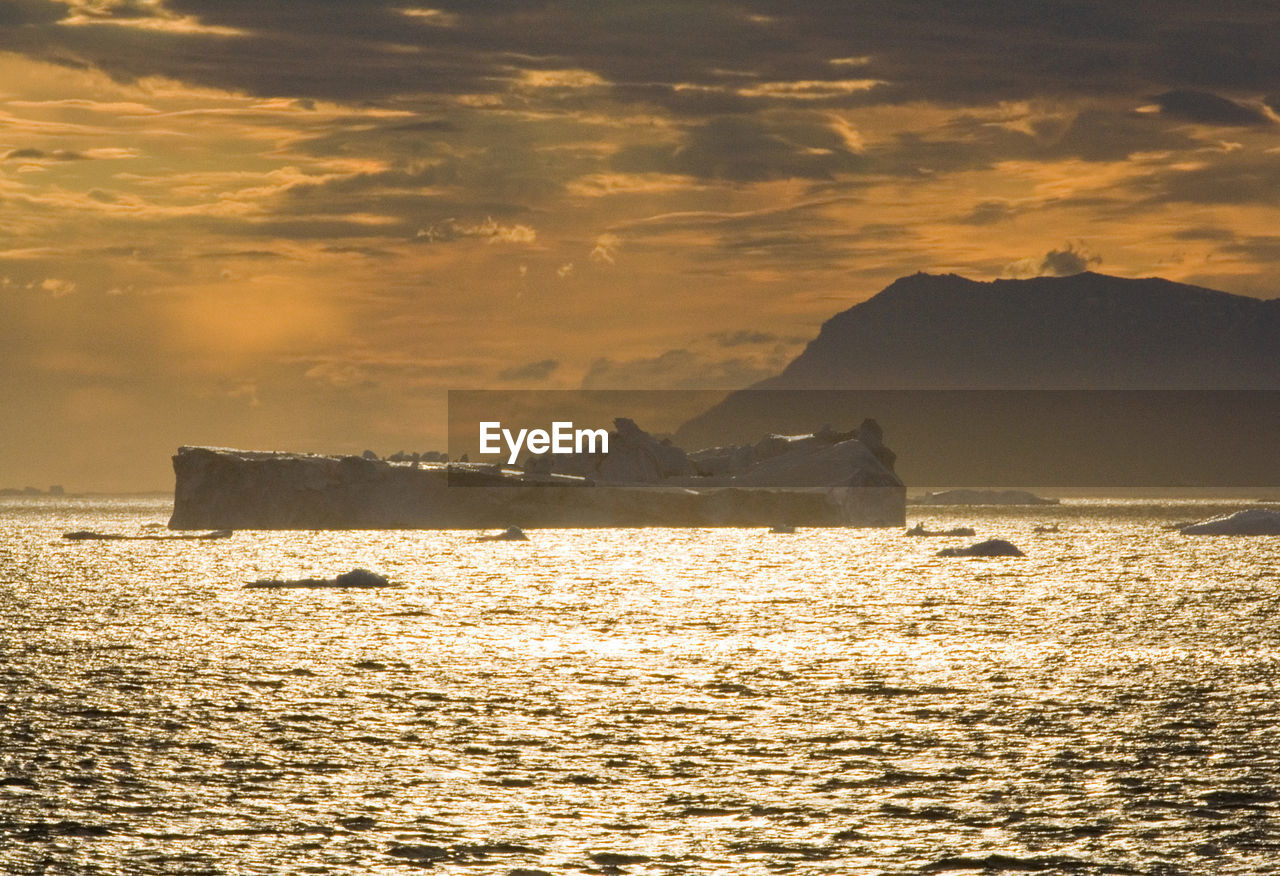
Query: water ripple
x,y
657,701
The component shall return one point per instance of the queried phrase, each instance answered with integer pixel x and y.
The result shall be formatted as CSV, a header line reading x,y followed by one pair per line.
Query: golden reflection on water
x,y
641,701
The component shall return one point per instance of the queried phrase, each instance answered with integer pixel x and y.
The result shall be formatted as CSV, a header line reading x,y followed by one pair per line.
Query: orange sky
x,y
296,224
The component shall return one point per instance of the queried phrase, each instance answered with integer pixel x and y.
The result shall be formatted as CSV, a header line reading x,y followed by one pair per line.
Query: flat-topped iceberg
x,y
827,479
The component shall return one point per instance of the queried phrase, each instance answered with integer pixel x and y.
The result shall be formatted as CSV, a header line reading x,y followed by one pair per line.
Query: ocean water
x,y
641,701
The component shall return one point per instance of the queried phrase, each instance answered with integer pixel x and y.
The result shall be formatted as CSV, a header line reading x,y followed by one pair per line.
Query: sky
x,y
297,224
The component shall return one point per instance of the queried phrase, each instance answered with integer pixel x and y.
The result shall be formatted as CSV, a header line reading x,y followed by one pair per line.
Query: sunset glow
x,y
298,224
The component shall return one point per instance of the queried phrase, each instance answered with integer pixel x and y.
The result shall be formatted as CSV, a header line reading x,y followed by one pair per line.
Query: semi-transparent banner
x,y
983,438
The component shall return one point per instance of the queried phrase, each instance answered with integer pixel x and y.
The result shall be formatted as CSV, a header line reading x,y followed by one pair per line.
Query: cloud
x,y
1104,133
146,15
740,148
988,213
1235,177
1261,248
530,371
41,155
488,230
369,252
706,58
809,89
1204,232
432,17
1210,109
1067,261
57,288
1071,259
567,79
606,249
797,235
30,13
598,185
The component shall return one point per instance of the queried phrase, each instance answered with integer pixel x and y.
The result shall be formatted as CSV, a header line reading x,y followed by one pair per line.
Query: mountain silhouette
x,y
902,355
1087,331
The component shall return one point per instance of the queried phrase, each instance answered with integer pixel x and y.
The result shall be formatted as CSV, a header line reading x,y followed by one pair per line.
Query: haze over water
x,y
641,701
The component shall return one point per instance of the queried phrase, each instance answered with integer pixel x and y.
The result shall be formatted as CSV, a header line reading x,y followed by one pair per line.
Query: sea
x,y
642,701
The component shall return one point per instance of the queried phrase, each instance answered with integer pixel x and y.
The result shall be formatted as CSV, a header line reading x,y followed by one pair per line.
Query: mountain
x,y
1087,331
901,356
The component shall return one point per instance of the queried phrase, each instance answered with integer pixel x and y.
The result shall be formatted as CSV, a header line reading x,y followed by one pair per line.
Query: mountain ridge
x,y
1085,331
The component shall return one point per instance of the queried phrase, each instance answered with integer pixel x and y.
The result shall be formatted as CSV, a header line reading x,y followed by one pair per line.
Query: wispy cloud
x,y
487,230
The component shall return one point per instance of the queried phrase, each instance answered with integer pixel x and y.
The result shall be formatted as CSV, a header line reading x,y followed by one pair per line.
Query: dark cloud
x,y
750,84
1258,248
987,213
41,155
1238,177
747,149
1067,261
29,13
702,57
944,50
1231,47
532,371
1209,109
684,102
973,142
884,231
1204,232
1103,134
494,171
424,126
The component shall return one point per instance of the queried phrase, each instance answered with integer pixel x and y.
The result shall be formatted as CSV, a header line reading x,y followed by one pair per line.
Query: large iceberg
x,y
828,479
